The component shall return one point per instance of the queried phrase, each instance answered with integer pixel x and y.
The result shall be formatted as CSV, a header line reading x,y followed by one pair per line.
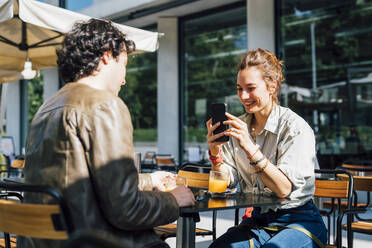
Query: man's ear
x,y
105,58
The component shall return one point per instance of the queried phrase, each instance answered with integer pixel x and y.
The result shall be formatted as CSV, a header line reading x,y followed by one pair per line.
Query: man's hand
x,y
184,196
161,179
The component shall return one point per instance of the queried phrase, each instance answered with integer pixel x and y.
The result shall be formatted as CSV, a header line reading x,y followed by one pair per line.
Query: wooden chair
x,y
149,162
360,225
198,181
15,169
165,162
33,220
337,189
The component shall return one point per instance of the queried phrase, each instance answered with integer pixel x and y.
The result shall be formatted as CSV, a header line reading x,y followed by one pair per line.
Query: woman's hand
x,y
239,130
214,147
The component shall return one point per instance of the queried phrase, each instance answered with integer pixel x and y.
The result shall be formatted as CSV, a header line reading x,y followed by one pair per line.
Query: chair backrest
x,y
165,159
34,220
334,188
149,158
18,163
195,179
31,220
360,183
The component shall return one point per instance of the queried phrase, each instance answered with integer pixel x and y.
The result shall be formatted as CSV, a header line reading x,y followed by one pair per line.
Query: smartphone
x,y
218,115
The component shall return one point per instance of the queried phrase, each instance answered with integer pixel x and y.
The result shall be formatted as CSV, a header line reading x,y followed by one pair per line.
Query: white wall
x,y
260,24
13,113
51,82
168,126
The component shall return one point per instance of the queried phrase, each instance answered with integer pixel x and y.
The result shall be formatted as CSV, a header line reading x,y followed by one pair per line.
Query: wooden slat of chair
x,y
170,230
362,227
195,179
165,161
30,220
334,189
18,163
361,183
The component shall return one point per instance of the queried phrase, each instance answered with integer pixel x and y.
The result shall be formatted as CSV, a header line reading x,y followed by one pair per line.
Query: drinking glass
x,y
217,181
171,184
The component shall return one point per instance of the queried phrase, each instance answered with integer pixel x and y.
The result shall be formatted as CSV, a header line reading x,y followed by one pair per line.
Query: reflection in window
x,y
140,95
213,46
328,62
35,95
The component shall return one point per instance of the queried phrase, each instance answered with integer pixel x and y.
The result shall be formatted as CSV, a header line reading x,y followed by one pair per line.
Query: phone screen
x,y
218,115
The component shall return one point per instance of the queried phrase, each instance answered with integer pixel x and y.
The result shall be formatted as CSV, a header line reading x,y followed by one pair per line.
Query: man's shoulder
x,y
81,97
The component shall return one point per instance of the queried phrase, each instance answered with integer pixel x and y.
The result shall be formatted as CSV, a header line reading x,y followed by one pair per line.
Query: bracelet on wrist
x,y
263,168
254,163
215,159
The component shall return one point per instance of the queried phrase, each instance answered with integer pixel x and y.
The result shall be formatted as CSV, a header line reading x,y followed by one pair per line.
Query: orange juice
x,y
217,185
215,203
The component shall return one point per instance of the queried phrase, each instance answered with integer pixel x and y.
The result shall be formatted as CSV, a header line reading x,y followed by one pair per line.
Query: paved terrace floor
x,y
225,219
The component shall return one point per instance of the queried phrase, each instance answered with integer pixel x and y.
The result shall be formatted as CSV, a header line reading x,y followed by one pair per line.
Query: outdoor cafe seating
x,y
195,180
44,221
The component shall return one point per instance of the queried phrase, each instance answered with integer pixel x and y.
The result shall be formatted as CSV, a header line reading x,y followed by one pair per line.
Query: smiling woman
x,y
276,158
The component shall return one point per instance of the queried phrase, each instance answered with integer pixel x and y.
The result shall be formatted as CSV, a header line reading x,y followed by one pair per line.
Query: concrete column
x,y
51,83
261,24
168,126
13,113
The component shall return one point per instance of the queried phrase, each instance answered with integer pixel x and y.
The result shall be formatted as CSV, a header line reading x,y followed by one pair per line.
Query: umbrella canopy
x,y
35,29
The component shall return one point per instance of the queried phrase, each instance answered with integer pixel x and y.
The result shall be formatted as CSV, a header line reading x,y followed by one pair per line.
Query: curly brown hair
x,y
84,46
270,66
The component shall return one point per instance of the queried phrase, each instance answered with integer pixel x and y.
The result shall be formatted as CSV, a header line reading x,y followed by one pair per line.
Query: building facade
x,y
324,46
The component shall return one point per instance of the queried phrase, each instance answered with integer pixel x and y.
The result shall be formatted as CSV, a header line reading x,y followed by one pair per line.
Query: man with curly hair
x,y
81,143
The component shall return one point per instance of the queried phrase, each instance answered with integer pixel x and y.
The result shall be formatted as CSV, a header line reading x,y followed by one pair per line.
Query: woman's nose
x,y
245,95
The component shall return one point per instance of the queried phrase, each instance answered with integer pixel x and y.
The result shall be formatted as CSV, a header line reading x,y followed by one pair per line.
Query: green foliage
x,y
148,134
140,91
35,96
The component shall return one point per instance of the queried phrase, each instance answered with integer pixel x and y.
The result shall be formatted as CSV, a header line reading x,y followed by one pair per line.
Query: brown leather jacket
x,y
80,143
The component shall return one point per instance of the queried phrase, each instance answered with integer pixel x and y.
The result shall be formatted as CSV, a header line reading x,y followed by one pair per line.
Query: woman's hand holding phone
x,y
214,146
239,130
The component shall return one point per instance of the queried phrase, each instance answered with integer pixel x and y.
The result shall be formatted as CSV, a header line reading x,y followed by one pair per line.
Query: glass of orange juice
x,y
217,182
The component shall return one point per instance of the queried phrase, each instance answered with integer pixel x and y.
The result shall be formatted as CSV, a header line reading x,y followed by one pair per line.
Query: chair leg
x,y
329,228
7,240
349,233
236,217
214,224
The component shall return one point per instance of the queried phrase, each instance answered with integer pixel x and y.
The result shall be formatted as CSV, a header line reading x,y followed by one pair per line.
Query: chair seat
x,y
170,230
13,242
328,204
361,226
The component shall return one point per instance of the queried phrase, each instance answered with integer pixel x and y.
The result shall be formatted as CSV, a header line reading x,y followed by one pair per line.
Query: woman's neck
x,y
261,117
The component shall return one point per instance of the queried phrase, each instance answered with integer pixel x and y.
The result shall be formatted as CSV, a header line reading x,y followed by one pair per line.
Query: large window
x,y
326,49
140,95
212,47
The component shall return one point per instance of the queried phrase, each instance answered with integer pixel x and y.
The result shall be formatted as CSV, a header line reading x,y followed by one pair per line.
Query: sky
x,y
75,5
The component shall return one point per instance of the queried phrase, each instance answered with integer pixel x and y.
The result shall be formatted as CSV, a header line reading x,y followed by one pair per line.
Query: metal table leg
x,y
185,232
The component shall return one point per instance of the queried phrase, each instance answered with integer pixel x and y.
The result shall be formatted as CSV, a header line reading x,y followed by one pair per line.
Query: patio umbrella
x,y
33,29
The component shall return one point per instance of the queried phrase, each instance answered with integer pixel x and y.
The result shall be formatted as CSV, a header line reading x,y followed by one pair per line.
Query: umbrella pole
x,y
2,106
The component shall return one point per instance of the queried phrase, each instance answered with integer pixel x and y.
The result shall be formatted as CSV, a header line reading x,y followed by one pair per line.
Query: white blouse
x,y
289,143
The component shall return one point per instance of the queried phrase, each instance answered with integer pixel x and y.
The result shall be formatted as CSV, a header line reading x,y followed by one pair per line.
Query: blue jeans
x,y
306,216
